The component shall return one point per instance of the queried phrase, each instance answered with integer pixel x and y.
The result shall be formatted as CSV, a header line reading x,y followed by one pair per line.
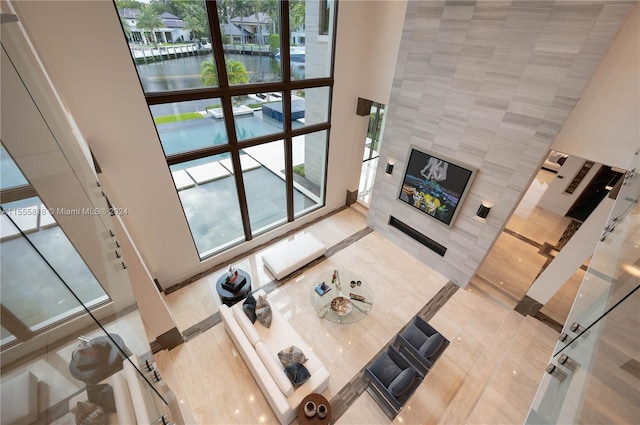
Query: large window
x,y
240,94
32,246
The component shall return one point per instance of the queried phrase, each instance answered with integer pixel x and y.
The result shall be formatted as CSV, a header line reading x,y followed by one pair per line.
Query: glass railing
x,y
104,370
593,374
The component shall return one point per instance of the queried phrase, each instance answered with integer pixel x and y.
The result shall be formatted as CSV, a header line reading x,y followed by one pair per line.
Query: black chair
x,y
392,381
421,344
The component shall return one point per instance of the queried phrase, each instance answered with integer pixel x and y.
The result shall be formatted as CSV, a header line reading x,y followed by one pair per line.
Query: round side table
x,y
229,297
318,399
98,360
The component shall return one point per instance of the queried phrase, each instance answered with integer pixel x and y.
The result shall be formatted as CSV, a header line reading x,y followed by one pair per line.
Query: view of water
x,y
196,134
184,73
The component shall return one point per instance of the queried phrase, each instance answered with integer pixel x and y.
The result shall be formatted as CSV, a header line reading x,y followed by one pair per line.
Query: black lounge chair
x,y
421,344
392,381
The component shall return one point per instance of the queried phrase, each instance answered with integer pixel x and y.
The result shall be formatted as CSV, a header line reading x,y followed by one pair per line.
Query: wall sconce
x,y
389,169
483,211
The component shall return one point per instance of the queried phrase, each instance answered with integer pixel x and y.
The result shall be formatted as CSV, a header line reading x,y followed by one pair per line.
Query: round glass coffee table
x,y
346,298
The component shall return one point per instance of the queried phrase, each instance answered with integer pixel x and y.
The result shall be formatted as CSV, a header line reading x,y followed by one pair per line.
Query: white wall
x,y
368,37
605,124
90,65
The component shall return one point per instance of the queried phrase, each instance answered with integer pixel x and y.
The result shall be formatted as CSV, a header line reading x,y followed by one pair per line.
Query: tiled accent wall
x,y
489,84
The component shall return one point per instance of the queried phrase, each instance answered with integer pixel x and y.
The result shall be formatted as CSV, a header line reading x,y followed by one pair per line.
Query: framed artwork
x,y
435,185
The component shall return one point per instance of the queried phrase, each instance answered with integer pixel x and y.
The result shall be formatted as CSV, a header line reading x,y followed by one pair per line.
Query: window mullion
x,y
285,34
14,325
17,193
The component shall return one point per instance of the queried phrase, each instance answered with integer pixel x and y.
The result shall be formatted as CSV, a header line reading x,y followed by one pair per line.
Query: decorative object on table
x,y
435,185
322,411
310,409
235,288
358,298
323,414
322,288
290,355
234,280
236,285
343,309
263,311
341,306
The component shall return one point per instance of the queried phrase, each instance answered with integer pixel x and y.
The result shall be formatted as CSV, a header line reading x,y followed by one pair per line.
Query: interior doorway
x,y
599,187
532,237
371,153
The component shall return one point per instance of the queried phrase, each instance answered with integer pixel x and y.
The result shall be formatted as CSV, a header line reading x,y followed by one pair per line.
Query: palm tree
x,y
208,73
297,15
195,27
236,73
271,8
195,18
126,27
149,21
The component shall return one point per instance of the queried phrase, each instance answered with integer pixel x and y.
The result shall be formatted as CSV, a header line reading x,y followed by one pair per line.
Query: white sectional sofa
x,y
259,347
288,256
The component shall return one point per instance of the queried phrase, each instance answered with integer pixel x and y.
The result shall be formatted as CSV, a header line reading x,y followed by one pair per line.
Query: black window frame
x,y
225,92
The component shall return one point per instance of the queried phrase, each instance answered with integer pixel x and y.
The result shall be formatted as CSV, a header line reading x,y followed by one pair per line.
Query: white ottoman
x,y
288,256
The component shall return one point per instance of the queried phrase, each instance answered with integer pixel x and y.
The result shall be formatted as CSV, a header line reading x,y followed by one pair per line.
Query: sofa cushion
x,y
402,382
249,307
102,395
247,327
263,311
290,355
385,369
431,345
297,373
274,367
88,413
415,336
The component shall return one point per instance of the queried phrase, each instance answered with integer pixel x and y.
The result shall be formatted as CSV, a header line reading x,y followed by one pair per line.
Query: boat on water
x,y
296,54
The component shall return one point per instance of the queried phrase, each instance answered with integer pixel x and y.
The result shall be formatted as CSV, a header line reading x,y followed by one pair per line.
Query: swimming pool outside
x,y
184,136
